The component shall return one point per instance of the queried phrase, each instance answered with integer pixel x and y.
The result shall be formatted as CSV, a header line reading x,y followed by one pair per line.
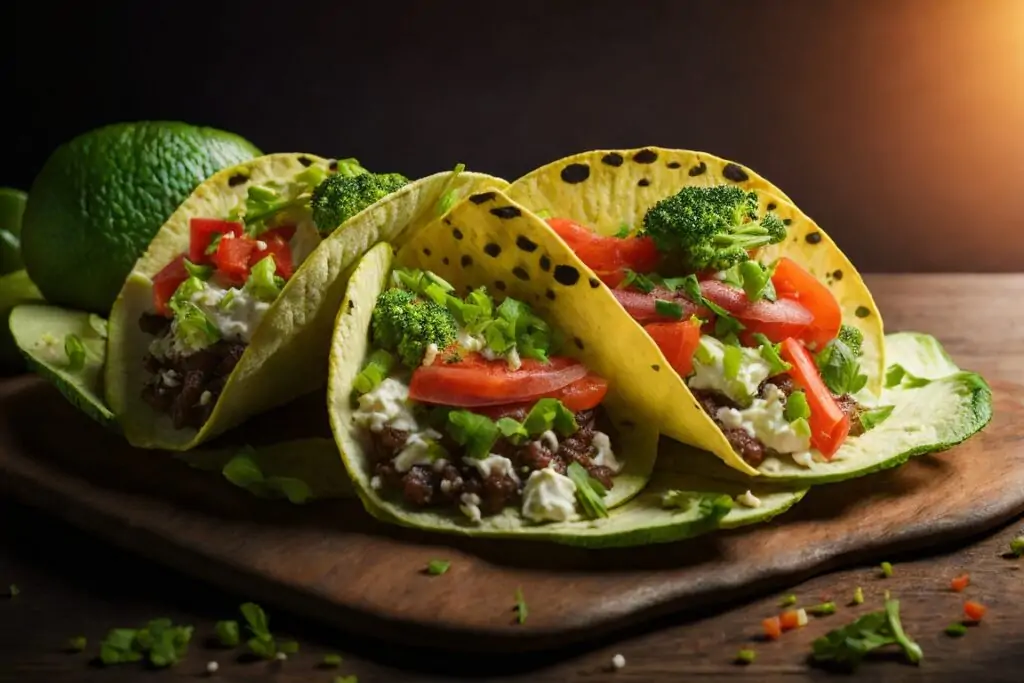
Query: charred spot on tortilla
x,y
643,182
333,166
656,367
238,179
520,273
837,275
645,156
426,251
506,212
862,312
566,275
445,261
351,305
525,243
466,260
734,173
492,249
456,233
612,159
550,294
481,197
545,263
771,206
578,342
575,173
674,164
306,161
699,169
813,237
446,220
787,221
499,285
595,283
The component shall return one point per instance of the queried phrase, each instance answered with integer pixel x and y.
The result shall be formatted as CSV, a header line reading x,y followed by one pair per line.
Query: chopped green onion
x,y
448,195
788,601
1017,546
521,609
550,413
797,407
870,419
757,281
438,567
227,632
262,283
956,629
75,351
669,309
801,427
822,609
886,569
201,272
770,353
746,656
858,596
589,491
375,371
623,231
77,644
512,430
259,193
332,659
732,361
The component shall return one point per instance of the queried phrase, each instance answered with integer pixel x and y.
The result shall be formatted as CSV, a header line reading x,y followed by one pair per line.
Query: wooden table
x,y
72,585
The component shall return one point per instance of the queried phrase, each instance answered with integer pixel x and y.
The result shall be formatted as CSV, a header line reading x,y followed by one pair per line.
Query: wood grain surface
x,y
960,312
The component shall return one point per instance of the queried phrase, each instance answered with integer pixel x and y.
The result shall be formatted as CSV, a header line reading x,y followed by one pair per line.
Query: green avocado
x,y
42,334
101,197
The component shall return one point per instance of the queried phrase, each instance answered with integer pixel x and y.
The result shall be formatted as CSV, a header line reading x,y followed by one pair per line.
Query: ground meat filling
x,y
177,384
444,483
750,448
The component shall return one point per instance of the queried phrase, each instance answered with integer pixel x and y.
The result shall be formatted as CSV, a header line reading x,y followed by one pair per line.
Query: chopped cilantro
x,y
262,642
521,610
438,567
870,419
797,406
227,633
642,282
332,659
474,431
746,656
75,351
77,643
512,430
849,644
378,366
840,369
669,309
956,629
550,413
770,354
163,643
589,491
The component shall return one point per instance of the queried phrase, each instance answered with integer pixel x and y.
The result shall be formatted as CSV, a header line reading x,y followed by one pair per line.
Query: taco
x,y
229,311
467,402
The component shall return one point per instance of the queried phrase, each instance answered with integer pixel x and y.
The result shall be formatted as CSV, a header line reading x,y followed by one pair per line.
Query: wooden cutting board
x,y
333,562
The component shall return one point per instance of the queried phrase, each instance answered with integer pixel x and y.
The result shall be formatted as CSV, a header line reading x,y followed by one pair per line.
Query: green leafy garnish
x,y
712,505
474,431
512,430
788,601
77,643
886,568
201,272
521,610
211,249
797,407
160,640
378,366
262,642
191,323
897,375
623,231
757,280
725,324
438,567
669,309
822,609
263,283
746,656
771,354
870,419
332,659
242,471
227,632
801,426
589,491
849,644
840,369
956,629
642,282
119,647
550,413
75,351
448,195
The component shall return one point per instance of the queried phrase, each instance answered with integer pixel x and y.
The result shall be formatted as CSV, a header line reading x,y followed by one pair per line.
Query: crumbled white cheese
x,y
469,342
281,656
804,458
604,456
765,420
170,378
549,496
261,245
211,667
493,464
236,320
618,661
513,359
448,484
387,405
440,464
416,450
549,440
470,506
430,355
205,398
375,483
801,617
749,500
753,370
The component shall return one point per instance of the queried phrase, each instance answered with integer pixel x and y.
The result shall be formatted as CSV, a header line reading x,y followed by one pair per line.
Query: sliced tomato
x,y
166,282
643,307
829,424
233,258
475,381
583,394
279,249
201,234
777,320
607,253
793,282
677,342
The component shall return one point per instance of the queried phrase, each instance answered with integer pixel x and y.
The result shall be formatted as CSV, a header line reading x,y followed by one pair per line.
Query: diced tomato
x,y
772,628
475,381
793,282
607,253
974,610
279,249
166,282
233,258
960,583
642,307
201,233
285,232
829,424
791,619
677,342
776,320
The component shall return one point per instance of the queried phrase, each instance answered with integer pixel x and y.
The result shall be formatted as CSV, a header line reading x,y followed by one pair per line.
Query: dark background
x,y
897,125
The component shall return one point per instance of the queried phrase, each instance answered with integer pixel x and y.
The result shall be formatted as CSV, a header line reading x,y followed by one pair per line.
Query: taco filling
x,y
208,302
761,345
466,403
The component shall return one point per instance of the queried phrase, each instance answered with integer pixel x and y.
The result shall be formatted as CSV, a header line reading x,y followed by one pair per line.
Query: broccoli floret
x,y
852,337
408,325
340,197
711,227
